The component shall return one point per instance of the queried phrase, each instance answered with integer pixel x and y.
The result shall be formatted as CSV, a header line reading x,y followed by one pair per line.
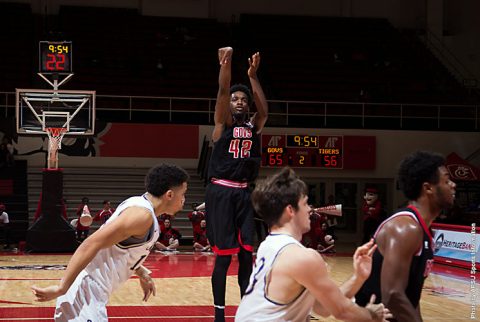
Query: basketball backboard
x,y
38,109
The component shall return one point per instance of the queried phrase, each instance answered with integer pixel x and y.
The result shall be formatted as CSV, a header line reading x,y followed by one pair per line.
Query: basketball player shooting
x,y
233,165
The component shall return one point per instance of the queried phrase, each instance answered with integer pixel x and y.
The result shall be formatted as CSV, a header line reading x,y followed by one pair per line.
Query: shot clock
x,y
301,151
55,57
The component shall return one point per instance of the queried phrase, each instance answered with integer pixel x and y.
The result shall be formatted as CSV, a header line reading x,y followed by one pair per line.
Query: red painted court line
x,y
30,279
30,254
164,313
454,272
26,312
12,302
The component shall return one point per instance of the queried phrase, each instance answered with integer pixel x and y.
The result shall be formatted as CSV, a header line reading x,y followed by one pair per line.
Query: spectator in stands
x,y
325,242
5,225
372,211
197,215
200,240
161,220
310,239
82,231
169,237
105,213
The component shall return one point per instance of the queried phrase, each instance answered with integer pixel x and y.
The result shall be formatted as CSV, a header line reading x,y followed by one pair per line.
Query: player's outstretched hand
x,y
362,260
225,55
379,312
254,63
44,294
148,287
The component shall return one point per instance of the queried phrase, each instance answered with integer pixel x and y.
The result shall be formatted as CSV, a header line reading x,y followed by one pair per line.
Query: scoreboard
x,y
302,151
55,57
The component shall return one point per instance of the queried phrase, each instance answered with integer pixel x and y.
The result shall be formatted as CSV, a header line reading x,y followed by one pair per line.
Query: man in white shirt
x,y
5,226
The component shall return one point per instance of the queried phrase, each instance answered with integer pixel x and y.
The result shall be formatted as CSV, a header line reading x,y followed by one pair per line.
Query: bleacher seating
x,y
114,184
346,59
118,52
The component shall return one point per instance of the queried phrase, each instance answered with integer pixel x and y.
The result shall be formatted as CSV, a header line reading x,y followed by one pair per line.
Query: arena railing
x,y
303,114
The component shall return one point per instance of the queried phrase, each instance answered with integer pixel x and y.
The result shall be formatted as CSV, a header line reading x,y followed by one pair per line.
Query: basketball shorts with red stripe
x,y
229,216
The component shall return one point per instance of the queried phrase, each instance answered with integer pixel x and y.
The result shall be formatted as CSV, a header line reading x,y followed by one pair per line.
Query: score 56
x,y
329,161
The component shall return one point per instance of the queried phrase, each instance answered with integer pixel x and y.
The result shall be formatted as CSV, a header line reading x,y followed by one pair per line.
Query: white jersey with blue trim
x,y
113,266
255,304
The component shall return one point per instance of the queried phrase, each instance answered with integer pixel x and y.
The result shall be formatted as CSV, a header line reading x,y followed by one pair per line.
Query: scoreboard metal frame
x,y
302,151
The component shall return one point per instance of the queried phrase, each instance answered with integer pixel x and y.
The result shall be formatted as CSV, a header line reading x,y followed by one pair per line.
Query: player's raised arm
x,y
260,117
222,115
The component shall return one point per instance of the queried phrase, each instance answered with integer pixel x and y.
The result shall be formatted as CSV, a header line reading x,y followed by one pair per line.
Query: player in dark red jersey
x,y
404,255
233,165
312,238
105,213
197,215
200,240
169,237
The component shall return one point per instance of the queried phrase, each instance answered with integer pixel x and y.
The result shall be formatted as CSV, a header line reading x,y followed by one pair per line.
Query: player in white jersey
x,y
113,253
289,280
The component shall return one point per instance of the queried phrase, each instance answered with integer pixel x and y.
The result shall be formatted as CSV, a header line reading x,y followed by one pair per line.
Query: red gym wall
x,y
149,141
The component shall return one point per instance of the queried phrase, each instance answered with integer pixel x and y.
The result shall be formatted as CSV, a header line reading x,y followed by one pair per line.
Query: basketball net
x,y
55,136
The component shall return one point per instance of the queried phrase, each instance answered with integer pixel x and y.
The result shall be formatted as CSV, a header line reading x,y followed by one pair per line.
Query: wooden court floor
x,y
184,294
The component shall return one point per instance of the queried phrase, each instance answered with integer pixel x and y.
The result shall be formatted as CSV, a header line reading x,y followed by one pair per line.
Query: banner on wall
x,y
461,170
456,245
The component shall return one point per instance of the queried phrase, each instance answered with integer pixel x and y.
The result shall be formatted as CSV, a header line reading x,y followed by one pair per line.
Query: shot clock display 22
x,y
302,151
55,57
